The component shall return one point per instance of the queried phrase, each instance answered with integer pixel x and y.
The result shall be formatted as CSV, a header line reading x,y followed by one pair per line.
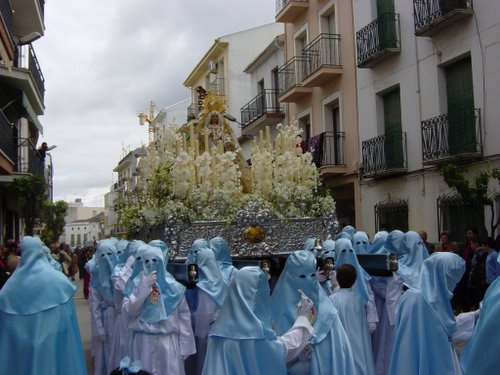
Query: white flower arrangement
x,y
207,186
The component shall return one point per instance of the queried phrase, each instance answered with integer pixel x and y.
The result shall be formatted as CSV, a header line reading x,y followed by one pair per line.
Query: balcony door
x,y
386,24
460,100
393,145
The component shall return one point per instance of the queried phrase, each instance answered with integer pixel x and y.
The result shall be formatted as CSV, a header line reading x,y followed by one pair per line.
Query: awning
x,y
32,116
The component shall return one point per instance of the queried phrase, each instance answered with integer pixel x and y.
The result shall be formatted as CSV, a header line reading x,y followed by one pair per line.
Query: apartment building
x,y
427,91
126,169
317,83
21,102
221,70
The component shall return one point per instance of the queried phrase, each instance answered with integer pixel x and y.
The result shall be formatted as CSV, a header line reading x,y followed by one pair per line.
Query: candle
x,y
207,146
268,137
261,139
197,147
184,142
191,136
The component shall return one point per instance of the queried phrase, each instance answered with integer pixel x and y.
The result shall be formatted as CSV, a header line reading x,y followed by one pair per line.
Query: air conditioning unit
x,y
212,66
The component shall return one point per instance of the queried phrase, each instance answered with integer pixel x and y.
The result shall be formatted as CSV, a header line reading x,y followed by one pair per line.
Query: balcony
x,y
7,146
452,136
322,60
432,16
26,76
384,155
290,77
28,16
263,110
327,150
290,10
378,40
29,160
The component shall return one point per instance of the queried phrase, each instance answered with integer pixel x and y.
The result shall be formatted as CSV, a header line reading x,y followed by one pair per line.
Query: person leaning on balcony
x,y
446,244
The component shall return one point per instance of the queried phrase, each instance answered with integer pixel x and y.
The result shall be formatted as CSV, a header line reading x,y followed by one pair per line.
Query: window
x,y
391,214
85,238
393,142
460,103
78,239
72,240
456,215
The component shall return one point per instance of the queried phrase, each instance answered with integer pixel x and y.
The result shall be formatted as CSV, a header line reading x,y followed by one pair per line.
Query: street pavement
x,y
82,310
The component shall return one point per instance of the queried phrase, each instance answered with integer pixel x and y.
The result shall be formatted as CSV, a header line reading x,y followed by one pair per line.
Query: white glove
x,y
130,261
372,327
144,287
304,306
320,276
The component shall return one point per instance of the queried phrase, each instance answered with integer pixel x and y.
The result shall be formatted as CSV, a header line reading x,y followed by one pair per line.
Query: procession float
x,y
195,182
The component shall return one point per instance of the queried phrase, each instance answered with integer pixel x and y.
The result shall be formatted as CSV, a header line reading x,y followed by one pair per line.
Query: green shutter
x,y
386,24
461,116
393,144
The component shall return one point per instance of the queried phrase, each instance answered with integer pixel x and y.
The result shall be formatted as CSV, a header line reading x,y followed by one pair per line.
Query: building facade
x,y
84,232
22,89
318,84
126,169
221,70
427,86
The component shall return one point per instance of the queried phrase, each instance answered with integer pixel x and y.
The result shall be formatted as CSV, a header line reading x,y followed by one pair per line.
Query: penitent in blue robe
x,y
331,352
425,322
242,341
40,333
480,356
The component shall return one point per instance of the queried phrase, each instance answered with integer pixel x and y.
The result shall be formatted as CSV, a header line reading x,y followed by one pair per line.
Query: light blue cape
x,y
242,340
425,322
38,318
331,351
171,292
345,254
198,244
223,258
161,245
360,242
378,243
411,254
210,279
106,260
480,356
393,241
328,249
121,250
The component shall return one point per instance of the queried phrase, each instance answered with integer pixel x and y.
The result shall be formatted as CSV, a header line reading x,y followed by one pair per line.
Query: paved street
x,y
82,309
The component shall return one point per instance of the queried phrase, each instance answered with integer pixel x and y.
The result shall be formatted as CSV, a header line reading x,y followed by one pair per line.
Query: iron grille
x,y
384,152
264,102
323,51
428,12
392,214
452,134
377,37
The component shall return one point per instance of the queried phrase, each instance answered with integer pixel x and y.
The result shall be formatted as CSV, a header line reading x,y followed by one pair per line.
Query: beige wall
x,y
342,88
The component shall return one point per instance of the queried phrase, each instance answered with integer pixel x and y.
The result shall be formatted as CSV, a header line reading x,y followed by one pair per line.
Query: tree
x,y
477,194
54,214
29,193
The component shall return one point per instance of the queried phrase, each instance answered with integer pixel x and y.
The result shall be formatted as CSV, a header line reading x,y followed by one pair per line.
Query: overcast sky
x,y
104,60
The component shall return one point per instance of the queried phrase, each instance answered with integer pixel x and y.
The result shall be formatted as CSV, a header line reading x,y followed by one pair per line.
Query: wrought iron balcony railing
x,y
292,73
26,59
384,154
379,38
7,138
452,135
327,149
29,160
323,51
427,13
264,102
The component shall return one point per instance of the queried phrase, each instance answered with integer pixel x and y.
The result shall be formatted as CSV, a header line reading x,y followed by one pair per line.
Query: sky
x,y
103,62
